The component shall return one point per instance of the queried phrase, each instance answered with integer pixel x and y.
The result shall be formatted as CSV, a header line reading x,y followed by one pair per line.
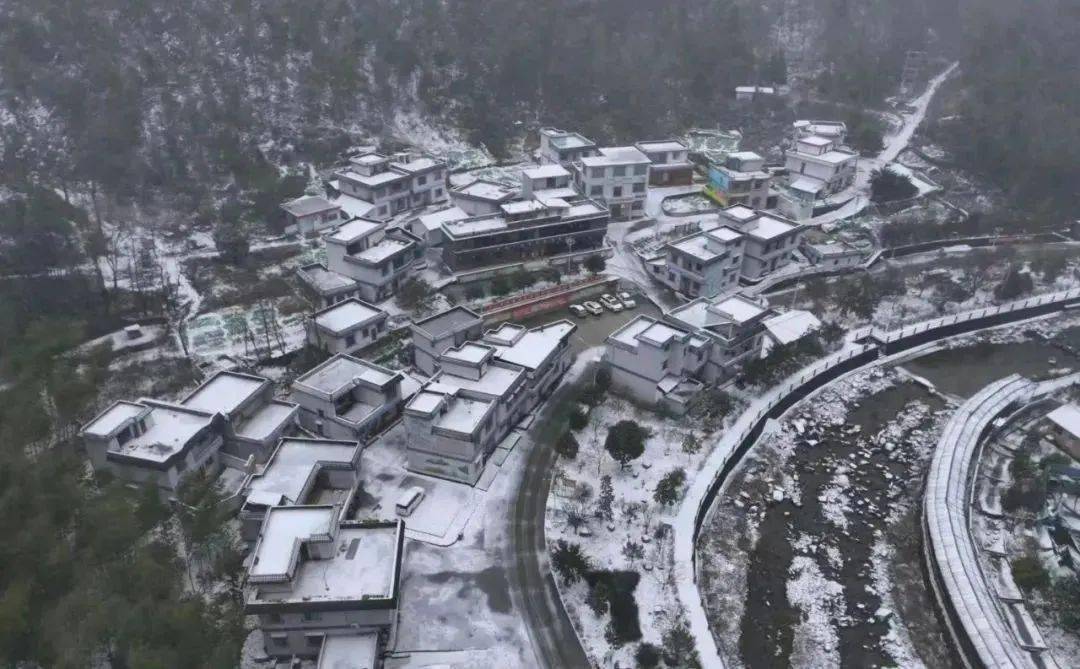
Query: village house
x,y
670,160
479,393
310,215
434,335
525,230
734,326
787,328
657,363
768,239
740,179
818,165
314,576
326,287
544,178
618,176
147,442
394,184
702,264
346,327
832,130
428,227
377,258
348,398
481,196
300,471
832,254
254,420
1064,428
563,147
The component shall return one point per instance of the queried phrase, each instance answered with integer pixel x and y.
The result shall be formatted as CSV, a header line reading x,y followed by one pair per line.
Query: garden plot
x,y
631,542
259,331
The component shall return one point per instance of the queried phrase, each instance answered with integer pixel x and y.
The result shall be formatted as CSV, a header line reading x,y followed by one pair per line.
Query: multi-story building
x,y
254,420
428,227
393,184
346,327
314,577
311,214
541,178
378,259
816,160
479,393
434,335
327,287
231,417
618,176
481,196
300,471
657,363
524,230
670,160
702,264
740,179
563,147
734,326
348,398
768,239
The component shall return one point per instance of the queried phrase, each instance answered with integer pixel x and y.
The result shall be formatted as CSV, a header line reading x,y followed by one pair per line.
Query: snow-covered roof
x,y
113,418
739,212
816,140
703,313
344,371
284,530
434,220
738,307
353,206
807,184
323,281
703,245
358,228
768,227
497,380
374,180
545,171
650,330
308,205
463,415
505,333
469,352
385,249
522,207
482,189
833,157
745,156
534,347
563,139
1067,417
665,145
169,429
791,325
266,421
348,315
420,164
454,319
290,471
349,651
426,401
823,128
224,392
616,155
368,159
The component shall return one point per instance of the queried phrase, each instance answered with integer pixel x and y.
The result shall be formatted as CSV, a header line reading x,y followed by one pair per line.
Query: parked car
x,y
627,300
409,500
578,310
610,302
593,308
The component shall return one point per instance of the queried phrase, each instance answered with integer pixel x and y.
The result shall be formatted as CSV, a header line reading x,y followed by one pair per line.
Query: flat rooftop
x,y
553,170
703,314
536,345
169,429
616,155
385,249
666,145
562,139
374,180
324,281
224,392
111,419
469,352
496,381
451,320
767,227
419,164
342,371
464,415
283,529
266,420
358,228
434,220
349,651
348,315
791,325
308,205
482,189
294,462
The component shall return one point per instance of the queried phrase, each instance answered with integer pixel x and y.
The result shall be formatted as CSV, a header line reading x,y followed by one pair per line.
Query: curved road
x,y
532,587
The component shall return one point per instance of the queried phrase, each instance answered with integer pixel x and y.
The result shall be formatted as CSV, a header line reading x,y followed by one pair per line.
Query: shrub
x,y
626,441
620,586
578,420
1029,573
1015,284
595,264
569,561
888,186
603,379
567,446
679,649
668,488
647,656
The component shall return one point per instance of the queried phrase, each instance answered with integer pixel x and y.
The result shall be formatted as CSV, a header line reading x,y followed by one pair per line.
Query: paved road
x,y
532,587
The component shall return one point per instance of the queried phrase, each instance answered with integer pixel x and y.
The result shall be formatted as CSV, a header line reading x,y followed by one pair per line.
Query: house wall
x,y
442,455
762,257
360,337
624,195
293,635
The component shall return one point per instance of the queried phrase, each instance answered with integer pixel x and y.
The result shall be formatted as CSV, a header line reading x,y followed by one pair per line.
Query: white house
x,y
563,147
816,159
733,325
314,576
670,160
325,286
769,239
428,227
432,336
347,398
548,177
393,184
481,196
787,328
619,177
346,327
702,264
657,363
311,214
378,259
740,179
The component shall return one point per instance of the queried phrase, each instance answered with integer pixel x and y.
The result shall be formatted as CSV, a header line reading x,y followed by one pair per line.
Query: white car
x,y
578,310
610,302
627,300
593,308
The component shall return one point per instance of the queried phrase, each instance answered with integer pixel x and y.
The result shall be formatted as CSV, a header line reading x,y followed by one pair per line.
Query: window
x,y
421,180
279,640
312,615
313,640
382,210
597,173
641,170
350,339
596,190
620,170
616,191
274,618
438,192
639,187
